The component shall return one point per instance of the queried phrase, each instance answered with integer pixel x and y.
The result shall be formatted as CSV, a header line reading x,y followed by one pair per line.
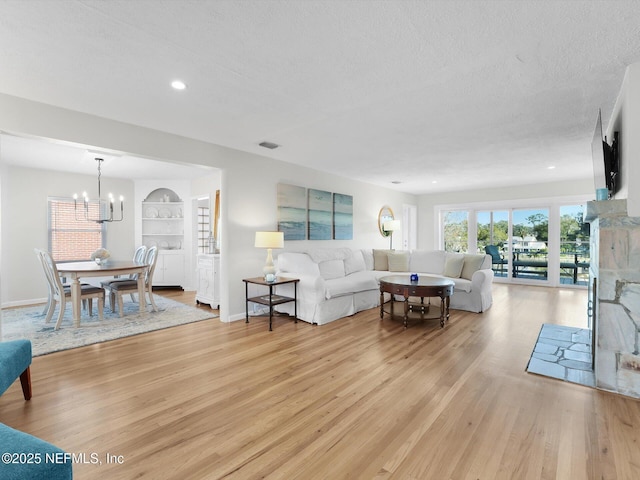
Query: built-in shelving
x,y
163,226
163,220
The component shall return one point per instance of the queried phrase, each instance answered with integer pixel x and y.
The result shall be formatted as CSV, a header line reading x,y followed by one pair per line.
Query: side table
x,y
271,299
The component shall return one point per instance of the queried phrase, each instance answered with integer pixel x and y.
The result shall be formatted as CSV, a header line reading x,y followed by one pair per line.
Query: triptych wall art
x,y
310,214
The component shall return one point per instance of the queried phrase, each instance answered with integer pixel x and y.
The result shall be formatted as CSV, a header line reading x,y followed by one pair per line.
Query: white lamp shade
x,y
269,240
391,225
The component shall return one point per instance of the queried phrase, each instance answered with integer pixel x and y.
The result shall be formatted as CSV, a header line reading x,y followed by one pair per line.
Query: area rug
x,y
29,323
563,353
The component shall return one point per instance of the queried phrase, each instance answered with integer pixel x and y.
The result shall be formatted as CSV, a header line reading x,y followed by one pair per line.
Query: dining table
x,y
77,270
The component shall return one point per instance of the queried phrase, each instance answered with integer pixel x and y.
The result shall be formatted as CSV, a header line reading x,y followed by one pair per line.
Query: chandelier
x,y
99,201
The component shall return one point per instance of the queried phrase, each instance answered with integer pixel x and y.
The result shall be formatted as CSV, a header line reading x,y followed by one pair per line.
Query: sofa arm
x,y
482,279
311,288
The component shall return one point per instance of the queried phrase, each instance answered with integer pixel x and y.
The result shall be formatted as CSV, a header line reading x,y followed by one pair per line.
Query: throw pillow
x,y
472,264
354,263
368,258
398,261
296,263
331,269
380,259
453,266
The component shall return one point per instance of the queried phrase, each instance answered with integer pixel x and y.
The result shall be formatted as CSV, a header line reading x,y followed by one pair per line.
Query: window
x,y
455,231
204,230
492,233
71,239
493,229
574,246
528,242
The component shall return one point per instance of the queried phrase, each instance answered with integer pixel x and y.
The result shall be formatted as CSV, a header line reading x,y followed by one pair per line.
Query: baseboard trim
x,y
24,303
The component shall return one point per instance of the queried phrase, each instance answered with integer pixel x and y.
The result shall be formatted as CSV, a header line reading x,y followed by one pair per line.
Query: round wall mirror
x,y
385,215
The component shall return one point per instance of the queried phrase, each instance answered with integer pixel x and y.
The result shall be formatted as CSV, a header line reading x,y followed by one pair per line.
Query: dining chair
x,y
61,294
124,287
138,256
50,303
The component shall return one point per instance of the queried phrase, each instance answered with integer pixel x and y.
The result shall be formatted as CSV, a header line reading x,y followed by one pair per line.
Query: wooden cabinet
x,y
208,280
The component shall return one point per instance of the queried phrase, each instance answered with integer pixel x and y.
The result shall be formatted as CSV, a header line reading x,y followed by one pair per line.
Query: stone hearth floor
x,y
563,353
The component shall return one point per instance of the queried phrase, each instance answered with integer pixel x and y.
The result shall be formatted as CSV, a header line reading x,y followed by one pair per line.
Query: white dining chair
x,y
50,302
138,256
120,288
60,294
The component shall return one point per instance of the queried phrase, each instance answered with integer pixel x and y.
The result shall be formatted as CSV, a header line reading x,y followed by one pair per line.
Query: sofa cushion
x,y
453,265
462,284
297,263
427,261
356,282
54,463
398,261
380,259
472,264
323,254
331,269
354,263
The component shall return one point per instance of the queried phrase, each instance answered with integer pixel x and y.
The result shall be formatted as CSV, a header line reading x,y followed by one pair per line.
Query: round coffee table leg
x,y
406,311
442,308
448,300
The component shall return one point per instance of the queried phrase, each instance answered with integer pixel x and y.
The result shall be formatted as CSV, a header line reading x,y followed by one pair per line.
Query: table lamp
x,y
269,240
391,226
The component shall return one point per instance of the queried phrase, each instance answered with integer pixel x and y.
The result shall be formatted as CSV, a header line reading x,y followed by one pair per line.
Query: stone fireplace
x,y
615,300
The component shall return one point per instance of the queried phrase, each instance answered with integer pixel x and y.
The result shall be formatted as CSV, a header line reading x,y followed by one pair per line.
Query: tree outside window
x,y
456,235
493,229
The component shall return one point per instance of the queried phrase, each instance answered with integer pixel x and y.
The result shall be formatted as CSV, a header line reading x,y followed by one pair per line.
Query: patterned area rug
x,y
29,323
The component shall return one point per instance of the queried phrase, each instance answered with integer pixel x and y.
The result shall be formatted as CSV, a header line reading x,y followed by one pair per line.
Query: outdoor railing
x,y
532,263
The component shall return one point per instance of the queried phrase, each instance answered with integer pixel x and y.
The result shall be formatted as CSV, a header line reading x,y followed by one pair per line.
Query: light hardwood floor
x,y
359,398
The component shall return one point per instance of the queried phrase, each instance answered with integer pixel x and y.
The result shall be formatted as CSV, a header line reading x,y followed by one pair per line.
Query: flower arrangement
x,y
100,255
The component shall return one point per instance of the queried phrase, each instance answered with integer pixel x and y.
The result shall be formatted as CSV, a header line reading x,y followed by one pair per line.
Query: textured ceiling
x,y
468,94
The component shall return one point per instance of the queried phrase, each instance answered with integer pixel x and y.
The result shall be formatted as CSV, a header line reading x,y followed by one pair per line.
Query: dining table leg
x,y
76,294
142,298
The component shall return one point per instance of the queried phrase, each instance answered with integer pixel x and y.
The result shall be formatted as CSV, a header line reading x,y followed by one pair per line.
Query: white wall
x,y
24,225
626,120
248,185
427,223
206,185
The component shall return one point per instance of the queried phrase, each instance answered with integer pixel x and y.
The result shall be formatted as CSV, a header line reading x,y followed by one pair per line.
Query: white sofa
x,y
338,282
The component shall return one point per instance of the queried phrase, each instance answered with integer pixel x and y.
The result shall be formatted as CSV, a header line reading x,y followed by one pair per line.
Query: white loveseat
x,y
338,282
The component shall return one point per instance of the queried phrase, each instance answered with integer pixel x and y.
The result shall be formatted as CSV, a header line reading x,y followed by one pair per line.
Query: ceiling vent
x,y
269,145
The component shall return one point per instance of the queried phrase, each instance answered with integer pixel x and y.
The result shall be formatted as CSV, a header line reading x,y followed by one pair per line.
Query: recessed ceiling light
x,y
178,85
551,167
269,145
434,181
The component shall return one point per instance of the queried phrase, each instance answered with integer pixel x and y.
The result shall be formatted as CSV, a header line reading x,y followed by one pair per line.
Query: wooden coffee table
x,y
424,287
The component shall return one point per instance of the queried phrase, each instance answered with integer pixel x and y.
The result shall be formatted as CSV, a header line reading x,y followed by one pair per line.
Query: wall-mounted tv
x,y
606,163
